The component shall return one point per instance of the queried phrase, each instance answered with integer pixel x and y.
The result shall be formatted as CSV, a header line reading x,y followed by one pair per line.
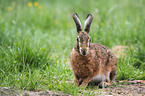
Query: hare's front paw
x,y
85,82
76,82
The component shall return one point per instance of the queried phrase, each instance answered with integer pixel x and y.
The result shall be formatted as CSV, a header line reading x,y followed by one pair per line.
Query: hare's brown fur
x,y
99,61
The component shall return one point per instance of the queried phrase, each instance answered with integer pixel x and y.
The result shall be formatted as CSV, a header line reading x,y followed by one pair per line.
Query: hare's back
x,y
99,48
103,52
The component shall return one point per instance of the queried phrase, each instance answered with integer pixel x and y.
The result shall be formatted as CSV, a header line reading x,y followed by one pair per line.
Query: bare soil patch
x,y
135,89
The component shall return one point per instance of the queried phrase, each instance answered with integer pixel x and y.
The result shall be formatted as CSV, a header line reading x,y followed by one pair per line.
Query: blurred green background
x,y
36,38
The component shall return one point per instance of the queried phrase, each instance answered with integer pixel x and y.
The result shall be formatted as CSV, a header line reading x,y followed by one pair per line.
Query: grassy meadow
x,y
37,36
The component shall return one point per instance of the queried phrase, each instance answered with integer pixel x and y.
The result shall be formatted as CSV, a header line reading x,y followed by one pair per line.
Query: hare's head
x,y
83,38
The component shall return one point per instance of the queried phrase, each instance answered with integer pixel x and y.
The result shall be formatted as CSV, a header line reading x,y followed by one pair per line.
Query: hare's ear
x,y
77,22
88,22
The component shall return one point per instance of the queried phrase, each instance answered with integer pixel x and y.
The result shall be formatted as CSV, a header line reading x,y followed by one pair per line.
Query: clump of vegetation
x,y
140,59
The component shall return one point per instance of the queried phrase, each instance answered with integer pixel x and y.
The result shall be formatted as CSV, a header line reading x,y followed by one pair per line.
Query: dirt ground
x,y
127,88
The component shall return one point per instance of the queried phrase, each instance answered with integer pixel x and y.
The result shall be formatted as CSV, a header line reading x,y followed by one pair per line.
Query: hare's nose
x,y
83,51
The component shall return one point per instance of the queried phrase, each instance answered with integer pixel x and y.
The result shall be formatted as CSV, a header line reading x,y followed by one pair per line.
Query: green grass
x,y
35,43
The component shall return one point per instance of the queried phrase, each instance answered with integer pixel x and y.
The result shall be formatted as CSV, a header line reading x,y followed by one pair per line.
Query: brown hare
x,y
91,62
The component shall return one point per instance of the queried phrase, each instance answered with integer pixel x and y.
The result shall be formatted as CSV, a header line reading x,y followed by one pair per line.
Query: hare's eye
x,y
89,39
77,39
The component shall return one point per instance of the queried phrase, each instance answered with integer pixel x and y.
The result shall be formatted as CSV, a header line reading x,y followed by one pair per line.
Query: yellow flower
x,y
13,3
30,4
9,8
35,3
56,21
68,24
40,7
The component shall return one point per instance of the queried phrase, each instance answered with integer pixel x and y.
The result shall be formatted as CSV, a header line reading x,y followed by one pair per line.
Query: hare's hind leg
x,y
112,76
105,81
